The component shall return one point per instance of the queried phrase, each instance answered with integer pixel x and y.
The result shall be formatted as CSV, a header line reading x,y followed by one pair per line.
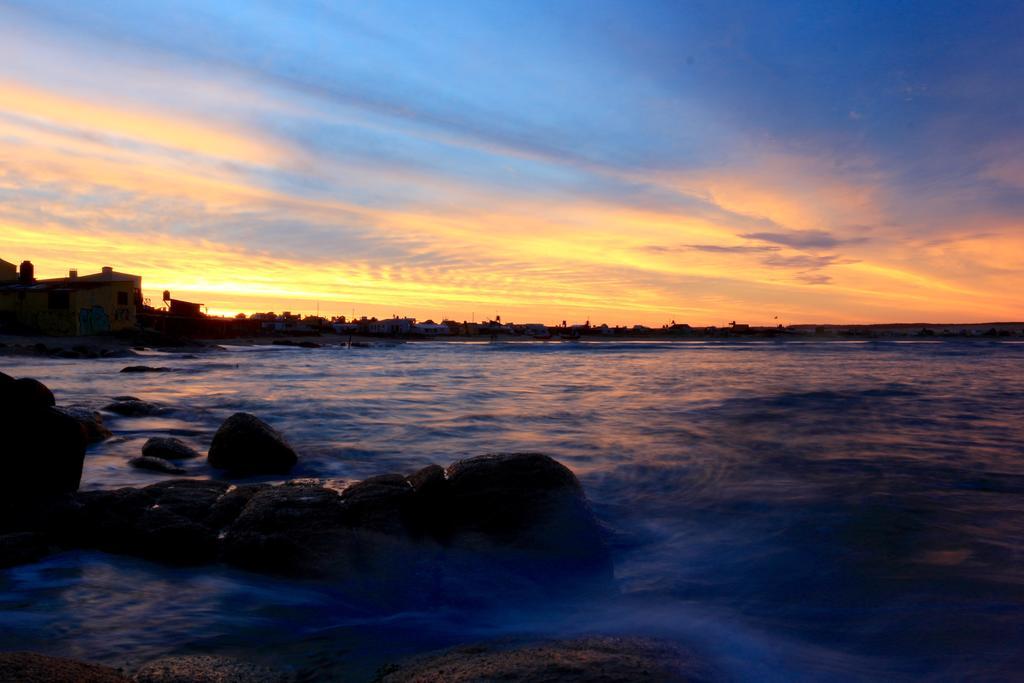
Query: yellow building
x,y
71,306
8,272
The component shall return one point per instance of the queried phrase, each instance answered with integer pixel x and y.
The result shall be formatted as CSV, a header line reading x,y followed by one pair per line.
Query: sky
x,y
619,162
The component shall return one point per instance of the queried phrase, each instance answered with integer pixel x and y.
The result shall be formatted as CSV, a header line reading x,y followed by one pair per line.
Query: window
x,y
122,298
59,301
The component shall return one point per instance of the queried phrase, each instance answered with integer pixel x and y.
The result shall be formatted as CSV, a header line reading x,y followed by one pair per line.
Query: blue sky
x,y
625,161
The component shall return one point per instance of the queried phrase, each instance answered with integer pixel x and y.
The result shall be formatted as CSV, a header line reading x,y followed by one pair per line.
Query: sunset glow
x,y
373,159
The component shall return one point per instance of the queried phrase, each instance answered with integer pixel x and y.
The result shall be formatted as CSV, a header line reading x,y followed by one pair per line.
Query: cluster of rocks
x,y
520,514
506,526
495,524
76,351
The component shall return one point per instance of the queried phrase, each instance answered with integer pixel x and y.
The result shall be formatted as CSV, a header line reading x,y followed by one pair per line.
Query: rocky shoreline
x,y
508,527
592,659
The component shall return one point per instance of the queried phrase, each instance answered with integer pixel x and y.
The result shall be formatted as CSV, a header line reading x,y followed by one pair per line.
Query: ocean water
x,y
789,511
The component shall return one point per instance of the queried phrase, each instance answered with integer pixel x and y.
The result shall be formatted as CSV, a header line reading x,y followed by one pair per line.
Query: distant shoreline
x,y
93,347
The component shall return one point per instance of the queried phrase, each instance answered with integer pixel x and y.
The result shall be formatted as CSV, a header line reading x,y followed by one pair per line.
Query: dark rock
x,y
209,669
22,547
430,509
309,345
146,462
24,395
379,503
586,660
167,521
144,368
244,444
68,353
229,506
127,398
43,453
86,351
30,667
132,408
530,504
288,529
168,448
430,478
91,421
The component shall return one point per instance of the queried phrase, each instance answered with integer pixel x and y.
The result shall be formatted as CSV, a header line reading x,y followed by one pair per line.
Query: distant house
x,y
392,326
73,305
345,328
537,331
430,329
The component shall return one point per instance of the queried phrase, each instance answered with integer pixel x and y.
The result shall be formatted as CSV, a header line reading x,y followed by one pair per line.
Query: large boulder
x,y
529,507
245,444
585,660
30,667
168,448
25,394
44,449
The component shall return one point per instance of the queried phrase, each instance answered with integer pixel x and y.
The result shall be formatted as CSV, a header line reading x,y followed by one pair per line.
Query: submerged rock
x,y
30,667
245,444
585,660
132,408
168,448
208,669
144,368
148,462
91,421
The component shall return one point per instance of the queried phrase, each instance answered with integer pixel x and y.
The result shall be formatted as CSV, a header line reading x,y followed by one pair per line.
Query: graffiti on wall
x,y
93,320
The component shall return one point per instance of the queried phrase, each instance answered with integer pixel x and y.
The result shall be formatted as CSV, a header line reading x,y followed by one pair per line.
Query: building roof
x,y
109,275
49,286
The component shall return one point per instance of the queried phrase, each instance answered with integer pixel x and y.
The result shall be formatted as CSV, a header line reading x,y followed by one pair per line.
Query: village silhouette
x,y
112,302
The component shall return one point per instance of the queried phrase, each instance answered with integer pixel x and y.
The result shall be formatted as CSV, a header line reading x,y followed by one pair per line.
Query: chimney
x,y
73,275
28,273
107,270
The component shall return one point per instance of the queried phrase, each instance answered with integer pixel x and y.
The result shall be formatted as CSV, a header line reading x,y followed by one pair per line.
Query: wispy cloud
x,y
537,158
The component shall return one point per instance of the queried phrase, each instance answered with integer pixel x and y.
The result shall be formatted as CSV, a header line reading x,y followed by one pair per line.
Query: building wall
x,y
8,272
101,309
75,311
31,309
